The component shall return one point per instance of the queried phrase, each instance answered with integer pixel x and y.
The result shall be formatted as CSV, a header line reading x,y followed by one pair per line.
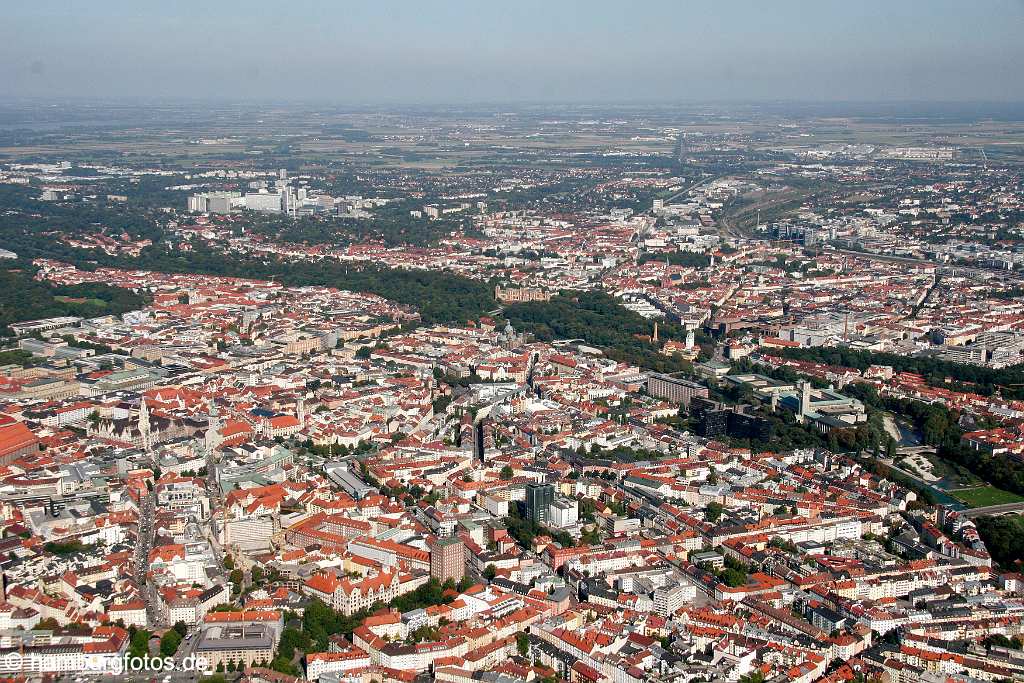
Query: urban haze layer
x,y
509,394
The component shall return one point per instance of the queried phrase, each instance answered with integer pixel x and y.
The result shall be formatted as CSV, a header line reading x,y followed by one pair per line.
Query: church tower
x,y
212,438
144,425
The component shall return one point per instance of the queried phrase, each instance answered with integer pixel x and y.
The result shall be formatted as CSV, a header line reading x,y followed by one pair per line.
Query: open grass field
x,y
983,496
94,302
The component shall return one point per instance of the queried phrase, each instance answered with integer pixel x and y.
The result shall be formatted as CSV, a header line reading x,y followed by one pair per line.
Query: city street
x,y
141,560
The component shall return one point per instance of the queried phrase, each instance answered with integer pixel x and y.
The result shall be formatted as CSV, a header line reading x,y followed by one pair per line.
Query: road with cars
x,y
141,559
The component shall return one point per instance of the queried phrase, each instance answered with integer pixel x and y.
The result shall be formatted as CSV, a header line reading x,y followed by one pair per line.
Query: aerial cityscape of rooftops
x,y
594,392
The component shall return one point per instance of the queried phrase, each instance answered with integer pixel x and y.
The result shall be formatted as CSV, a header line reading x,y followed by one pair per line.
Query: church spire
x,y
144,425
212,438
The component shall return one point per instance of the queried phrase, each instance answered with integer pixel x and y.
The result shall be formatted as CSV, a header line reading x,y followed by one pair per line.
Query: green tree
x,y
284,666
713,511
522,644
169,643
138,646
1004,538
236,577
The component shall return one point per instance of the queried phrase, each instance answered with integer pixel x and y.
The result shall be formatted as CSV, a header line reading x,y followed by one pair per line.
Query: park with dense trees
x,y
22,297
1004,538
600,320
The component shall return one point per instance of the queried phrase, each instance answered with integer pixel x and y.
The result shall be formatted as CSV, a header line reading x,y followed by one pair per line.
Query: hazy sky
x,y
515,50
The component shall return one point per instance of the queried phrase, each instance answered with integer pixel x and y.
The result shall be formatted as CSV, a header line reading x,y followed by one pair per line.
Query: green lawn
x,y
984,496
94,302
